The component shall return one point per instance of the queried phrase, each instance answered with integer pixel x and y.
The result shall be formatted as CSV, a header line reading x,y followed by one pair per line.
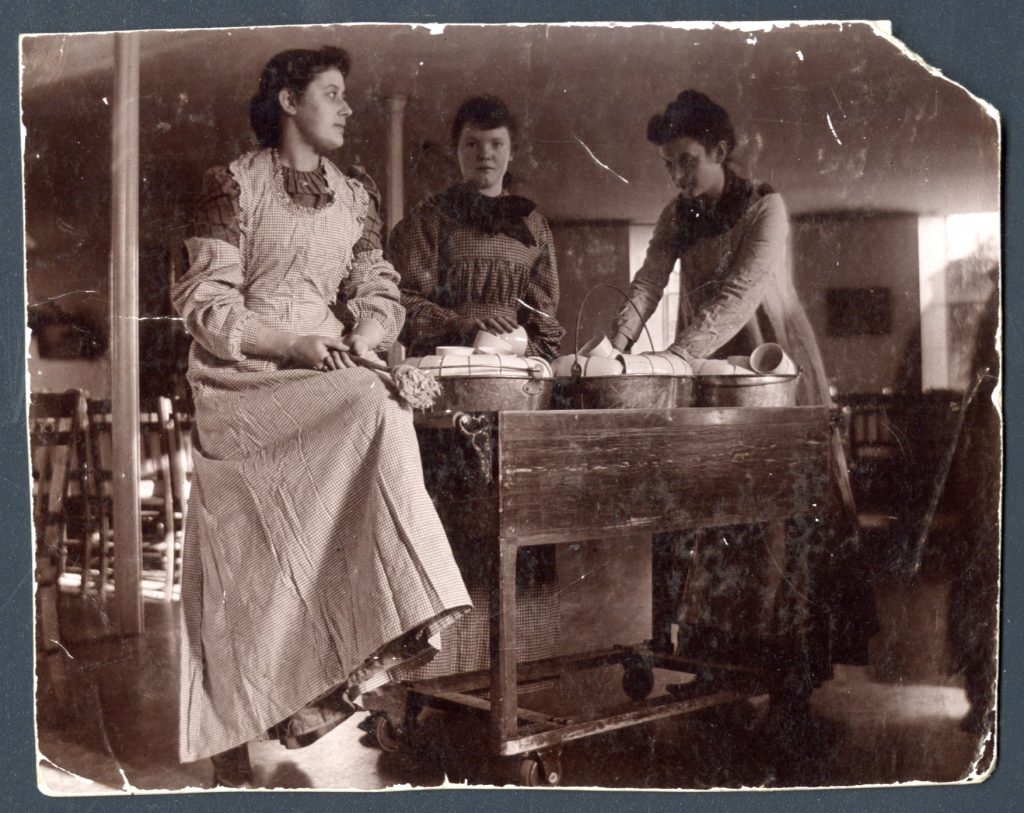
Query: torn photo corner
x,y
593,562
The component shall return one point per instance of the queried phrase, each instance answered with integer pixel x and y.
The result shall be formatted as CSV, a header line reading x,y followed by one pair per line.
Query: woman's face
x,y
694,169
320,112
483,157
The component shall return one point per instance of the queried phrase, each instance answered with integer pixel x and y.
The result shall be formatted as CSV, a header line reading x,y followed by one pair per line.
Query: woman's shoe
x,y
320,717
412,650
232,769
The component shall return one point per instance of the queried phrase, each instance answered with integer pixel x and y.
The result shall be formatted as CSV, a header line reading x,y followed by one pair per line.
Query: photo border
x,y
975,46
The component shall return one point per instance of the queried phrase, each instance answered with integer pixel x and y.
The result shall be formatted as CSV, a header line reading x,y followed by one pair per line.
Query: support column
x,y
124,327
396,159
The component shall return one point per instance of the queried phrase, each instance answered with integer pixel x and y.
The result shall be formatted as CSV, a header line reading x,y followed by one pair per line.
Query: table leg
x,y
504,649
669,566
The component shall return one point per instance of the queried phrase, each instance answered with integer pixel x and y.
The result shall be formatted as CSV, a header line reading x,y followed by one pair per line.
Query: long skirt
x,y
311,544
789,600
453,477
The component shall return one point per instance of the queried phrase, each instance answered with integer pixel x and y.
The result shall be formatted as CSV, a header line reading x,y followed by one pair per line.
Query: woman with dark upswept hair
x,y
476,257
731,239
314,565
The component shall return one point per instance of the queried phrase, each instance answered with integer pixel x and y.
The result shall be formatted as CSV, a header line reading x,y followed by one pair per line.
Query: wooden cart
x,y
556,477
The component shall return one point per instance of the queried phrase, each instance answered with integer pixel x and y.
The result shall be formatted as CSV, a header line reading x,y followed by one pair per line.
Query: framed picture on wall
x,y
858,311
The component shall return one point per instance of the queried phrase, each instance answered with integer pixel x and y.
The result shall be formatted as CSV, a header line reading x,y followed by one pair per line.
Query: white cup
x,y
742,362
517,339
487,342
716,367
771,359
597,366
599,347
561,367
638,364
668,362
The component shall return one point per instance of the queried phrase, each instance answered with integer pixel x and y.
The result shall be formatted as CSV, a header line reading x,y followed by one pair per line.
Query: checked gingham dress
x,y
448,270
311,542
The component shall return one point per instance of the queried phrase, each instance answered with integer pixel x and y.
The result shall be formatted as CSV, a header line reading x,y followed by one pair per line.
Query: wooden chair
x,y
58,452
160,486
180,443
896,444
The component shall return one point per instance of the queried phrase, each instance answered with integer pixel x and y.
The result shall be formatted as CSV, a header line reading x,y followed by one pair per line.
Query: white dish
x,y
487,342
453,350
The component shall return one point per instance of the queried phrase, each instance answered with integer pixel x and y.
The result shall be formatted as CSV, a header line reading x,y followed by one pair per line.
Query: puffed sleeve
x,y
545,333
649,283
414,247
370,291
209,298
761,254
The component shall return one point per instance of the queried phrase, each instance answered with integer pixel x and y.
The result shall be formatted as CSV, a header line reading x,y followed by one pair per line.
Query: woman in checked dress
x,y
314,562
478,258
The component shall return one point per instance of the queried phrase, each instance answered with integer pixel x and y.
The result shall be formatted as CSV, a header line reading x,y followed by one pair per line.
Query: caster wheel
x,y
532,774
387,736
637,682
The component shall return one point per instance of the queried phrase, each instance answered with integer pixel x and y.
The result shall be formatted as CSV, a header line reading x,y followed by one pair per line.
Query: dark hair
x,y
692,115
485,113
291,70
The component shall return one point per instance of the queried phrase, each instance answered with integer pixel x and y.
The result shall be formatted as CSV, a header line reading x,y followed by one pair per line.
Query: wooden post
x,y
124,312
504,645
396,184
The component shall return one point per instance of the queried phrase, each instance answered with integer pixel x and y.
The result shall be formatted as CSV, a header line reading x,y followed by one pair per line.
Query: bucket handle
x,y
577,370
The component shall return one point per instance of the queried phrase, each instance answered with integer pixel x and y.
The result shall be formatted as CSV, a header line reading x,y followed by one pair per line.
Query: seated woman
x,y
731,238
475,257
314,561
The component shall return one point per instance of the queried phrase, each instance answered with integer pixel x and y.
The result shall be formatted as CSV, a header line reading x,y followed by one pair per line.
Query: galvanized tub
x,y
747,390
492,394
617,392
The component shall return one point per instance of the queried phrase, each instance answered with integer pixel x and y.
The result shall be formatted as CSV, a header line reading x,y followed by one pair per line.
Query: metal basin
x,y
617,392
492,394
747,390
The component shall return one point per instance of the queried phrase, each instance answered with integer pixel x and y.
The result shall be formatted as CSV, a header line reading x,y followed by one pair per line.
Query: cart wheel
x,y
637,681
532,773
388,737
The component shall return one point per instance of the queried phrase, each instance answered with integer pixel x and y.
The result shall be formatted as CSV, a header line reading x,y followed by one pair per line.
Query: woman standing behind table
x,y
731,238
314,562
475,257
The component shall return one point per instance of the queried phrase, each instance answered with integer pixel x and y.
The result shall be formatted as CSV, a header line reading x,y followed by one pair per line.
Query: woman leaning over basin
x,y
476,257
314,561
731,239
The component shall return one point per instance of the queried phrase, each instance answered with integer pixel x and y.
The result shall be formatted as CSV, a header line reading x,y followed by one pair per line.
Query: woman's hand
x,y
620,341
500,324
468,326
314,352
359,348
360,353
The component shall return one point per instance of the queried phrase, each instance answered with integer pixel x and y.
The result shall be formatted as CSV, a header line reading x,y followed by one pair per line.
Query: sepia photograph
x,y
578,405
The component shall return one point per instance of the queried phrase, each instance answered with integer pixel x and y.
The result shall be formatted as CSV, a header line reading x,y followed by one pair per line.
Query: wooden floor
x,y
896,721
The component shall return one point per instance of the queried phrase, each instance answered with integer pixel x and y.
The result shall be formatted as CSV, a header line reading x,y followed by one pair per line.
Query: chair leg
x,y
104,548
87,486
